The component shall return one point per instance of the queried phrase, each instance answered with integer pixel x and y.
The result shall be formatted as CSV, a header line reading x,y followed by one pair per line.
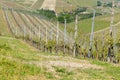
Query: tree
x,y
108,4
99,3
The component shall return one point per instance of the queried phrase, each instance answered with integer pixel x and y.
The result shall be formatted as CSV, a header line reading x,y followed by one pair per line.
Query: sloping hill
x,y
32,26
101,22
19,61
37,4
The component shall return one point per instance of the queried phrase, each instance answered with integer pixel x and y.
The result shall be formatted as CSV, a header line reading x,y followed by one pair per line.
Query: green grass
x,y
15,56
16,48
84,26
12,70
112,71
10,50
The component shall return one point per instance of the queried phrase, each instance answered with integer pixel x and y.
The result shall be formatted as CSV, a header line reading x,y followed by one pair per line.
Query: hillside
x,y
20,61
42,45
65,5
101,22
37,4
34,26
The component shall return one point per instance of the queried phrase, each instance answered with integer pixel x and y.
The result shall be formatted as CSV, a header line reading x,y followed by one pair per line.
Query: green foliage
x,y
88,15
62,70
69,17
109,4
49,75
110,40
5,47
99,3
51,43
118,44
49,14
80,10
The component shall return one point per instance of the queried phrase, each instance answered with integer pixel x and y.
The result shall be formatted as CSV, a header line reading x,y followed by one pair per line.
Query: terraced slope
x,y
11,4
4,30
32,26
37,4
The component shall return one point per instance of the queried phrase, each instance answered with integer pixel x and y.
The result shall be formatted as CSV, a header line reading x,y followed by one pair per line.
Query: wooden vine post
x,y
46,41
103,46
91,36
64,37
110,48
57,35
75,36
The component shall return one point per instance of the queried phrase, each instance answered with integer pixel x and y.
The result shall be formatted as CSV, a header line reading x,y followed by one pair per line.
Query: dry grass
x,y
4,30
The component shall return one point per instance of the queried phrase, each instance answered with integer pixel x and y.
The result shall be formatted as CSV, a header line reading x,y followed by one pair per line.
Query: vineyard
x,y
35,30
49,37
47,49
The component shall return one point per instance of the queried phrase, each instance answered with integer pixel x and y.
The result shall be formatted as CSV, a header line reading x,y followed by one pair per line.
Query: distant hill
x,y
66,5
37,4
